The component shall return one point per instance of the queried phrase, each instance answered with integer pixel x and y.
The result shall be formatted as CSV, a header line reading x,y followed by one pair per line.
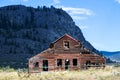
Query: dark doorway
x,y
59,62
88,63
45,65
67,64
74,62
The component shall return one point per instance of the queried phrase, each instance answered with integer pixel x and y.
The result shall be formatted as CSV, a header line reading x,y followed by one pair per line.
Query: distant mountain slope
x,y
28,30
115,56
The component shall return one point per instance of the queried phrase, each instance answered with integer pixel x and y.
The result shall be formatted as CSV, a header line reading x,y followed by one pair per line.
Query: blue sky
x,y
99,20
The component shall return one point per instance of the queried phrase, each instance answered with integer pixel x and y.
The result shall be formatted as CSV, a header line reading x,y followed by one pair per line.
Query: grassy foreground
x,y
109,73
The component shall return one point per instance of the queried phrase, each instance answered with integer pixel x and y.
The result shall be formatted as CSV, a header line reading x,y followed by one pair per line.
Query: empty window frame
x,y
59,62
66,45
36,64
88,63
74,62
45,65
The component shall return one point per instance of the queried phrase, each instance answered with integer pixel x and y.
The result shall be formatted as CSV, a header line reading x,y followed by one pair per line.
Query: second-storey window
x,y
66,45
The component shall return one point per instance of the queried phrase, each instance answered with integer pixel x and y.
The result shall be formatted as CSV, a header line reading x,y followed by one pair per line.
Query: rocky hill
x,y
26,31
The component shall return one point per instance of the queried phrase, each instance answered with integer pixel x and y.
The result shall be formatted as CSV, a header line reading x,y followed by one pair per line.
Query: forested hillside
x,y
26,31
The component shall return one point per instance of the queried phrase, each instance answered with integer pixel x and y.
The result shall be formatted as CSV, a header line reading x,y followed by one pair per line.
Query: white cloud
x,y
56,1
73,10
77,13
118,1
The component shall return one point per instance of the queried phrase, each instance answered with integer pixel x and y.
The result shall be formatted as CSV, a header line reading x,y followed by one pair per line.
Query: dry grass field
x,y
108,73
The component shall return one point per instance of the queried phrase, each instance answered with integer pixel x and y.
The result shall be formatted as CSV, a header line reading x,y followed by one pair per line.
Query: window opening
x,y
59,62
66,45
45,65
74,62
67,64
37,64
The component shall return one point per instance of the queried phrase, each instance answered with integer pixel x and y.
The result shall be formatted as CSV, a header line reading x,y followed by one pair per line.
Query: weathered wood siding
x,y
58,51
73,45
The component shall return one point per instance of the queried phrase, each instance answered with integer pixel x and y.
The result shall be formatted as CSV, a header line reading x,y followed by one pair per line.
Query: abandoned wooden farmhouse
x,y
66,53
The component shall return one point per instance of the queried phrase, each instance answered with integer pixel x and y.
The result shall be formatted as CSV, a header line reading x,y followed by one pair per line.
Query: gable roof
x,y
47,51
65,35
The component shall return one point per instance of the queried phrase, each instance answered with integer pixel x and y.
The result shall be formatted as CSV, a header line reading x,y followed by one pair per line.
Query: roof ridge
x,y
71,37
63,36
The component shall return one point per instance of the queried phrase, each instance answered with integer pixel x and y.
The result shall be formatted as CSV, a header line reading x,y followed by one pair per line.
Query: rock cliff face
x,y
28,31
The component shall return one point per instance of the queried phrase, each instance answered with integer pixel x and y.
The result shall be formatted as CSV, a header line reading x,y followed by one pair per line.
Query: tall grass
x,y
108,73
